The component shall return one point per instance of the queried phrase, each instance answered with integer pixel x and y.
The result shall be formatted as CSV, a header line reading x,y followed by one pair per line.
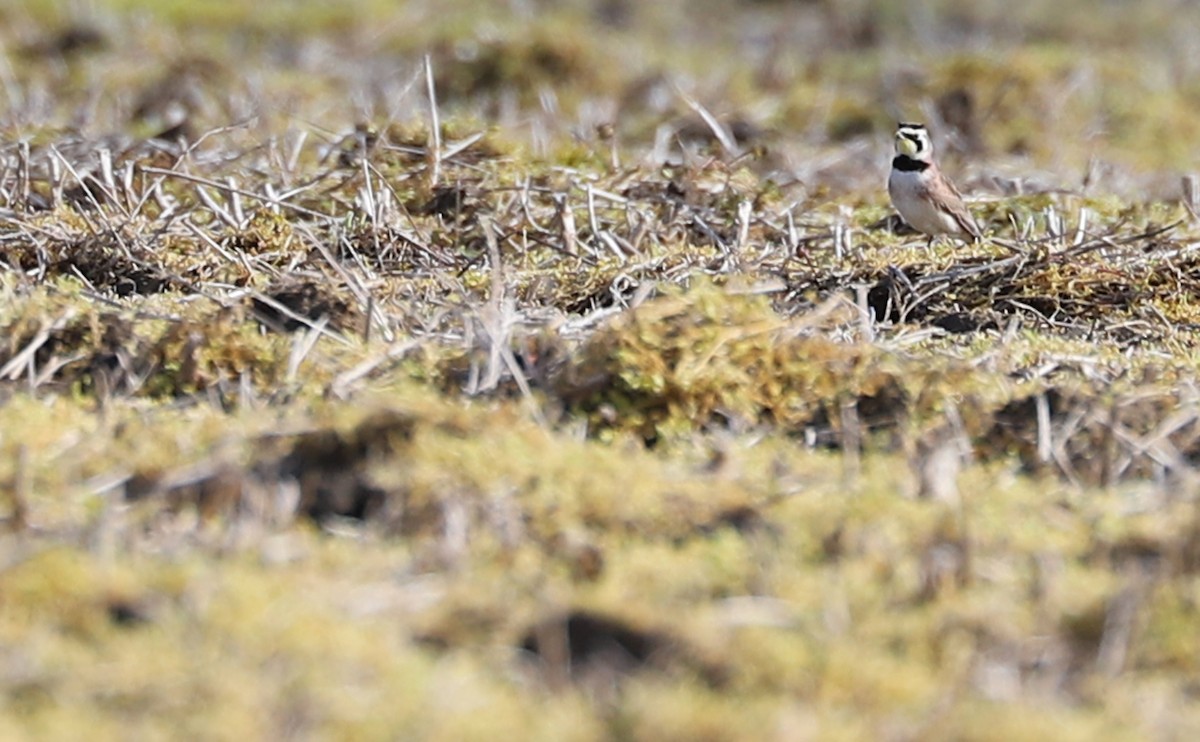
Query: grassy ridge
x,y
600,400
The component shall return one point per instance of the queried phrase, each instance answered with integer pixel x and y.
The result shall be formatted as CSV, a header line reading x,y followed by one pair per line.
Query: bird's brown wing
x,y
949,200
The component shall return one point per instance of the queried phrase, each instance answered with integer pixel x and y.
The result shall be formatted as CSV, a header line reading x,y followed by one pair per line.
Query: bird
x,y
926,198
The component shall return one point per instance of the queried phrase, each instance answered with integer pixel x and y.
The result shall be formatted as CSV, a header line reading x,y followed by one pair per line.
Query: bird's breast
x,y
910,195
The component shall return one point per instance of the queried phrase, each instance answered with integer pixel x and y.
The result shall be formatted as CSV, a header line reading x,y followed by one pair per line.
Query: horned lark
x,y
925,197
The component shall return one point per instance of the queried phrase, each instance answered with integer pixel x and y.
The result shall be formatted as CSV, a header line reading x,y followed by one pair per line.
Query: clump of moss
x,y
851,119
710,358
527,65
67,344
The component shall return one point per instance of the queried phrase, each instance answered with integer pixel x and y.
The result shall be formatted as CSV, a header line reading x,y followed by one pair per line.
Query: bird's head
x,y
913,140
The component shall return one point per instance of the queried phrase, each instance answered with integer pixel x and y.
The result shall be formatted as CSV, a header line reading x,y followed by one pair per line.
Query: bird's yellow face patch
x,y
906,146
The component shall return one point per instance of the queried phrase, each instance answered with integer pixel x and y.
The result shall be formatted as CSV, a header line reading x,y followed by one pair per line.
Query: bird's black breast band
x,y
906,164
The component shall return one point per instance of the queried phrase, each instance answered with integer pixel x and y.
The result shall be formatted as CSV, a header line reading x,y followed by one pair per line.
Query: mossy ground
x,y
600,400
